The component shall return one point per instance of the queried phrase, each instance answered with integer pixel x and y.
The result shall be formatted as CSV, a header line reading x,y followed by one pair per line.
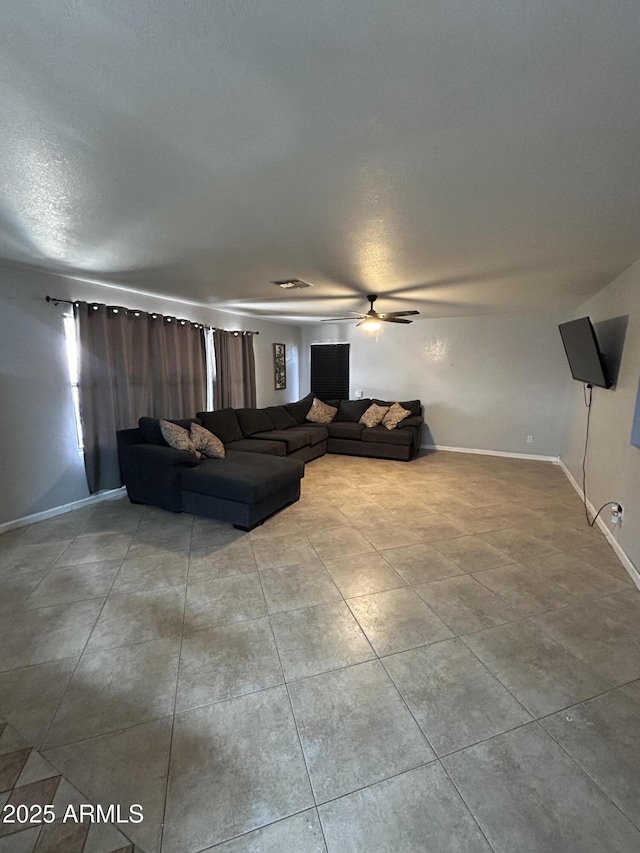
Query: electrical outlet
x,y
616,514
529,439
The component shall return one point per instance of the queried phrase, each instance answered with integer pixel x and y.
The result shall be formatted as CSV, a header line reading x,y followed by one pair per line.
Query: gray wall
x,y
40,464
486,382
613,464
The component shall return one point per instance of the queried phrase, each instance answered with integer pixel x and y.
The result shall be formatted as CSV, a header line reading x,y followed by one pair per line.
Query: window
x,y
73,362
330,371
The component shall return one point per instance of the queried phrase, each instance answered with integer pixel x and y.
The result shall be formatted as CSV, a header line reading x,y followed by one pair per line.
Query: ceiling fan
x,y
370,321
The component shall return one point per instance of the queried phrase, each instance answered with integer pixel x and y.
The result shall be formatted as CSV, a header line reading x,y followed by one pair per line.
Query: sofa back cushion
x,y
350,411
299,410
414,406
223,423
253,420
280,417
151,432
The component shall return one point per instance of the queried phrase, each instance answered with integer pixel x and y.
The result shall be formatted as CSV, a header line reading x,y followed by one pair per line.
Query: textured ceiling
x,y
453,156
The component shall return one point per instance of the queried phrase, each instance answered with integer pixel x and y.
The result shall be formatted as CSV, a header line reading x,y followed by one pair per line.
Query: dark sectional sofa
x,y
265,454
285,430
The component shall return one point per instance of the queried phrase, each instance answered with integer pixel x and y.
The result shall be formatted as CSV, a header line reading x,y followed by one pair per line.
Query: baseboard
x,y
532,457
632,571
6,526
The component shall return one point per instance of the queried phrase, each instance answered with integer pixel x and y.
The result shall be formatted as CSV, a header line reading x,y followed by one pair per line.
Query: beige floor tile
x,y
95,548
66,584
152,572
361,574
526,591
221,561
136,617
115,689
318,639
226,661
292,587
466,605
420,563
235,766
276,551
339,542
219,600
46,634
29,697
397,620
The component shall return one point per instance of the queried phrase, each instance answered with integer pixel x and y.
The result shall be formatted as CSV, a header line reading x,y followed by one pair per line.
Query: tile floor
x,y
434,656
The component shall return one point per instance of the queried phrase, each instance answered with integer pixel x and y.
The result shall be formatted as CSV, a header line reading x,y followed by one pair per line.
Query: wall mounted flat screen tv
x,y
583,353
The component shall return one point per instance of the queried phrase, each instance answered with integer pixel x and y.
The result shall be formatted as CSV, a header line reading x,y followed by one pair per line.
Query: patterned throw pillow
x,y
321,413
374,415
178,437
395,414
206,442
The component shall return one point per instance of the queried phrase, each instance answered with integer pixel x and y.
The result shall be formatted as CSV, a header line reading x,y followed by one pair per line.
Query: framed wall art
x,y
280,366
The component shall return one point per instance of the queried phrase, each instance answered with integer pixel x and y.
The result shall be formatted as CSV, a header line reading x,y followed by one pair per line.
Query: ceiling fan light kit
x,y
370,322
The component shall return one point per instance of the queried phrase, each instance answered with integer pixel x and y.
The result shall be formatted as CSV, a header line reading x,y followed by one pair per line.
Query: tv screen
x,y
583,352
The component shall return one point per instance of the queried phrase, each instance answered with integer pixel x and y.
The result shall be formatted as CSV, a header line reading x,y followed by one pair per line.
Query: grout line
x,y
468,808
175,694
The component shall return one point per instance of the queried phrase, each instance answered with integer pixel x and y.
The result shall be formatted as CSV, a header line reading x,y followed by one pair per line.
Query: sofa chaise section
x,y
244,488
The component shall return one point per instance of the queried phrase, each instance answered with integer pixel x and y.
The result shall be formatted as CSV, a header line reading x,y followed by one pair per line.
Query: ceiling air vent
x,y
289,283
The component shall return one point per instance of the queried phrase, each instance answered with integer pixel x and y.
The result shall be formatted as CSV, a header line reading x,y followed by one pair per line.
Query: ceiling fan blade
x,y
388,319
333,319
398,313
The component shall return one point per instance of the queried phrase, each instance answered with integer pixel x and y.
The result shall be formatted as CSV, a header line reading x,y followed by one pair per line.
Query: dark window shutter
x,y
330,371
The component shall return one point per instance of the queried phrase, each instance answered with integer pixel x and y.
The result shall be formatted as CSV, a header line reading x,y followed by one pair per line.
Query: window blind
x,y
330,371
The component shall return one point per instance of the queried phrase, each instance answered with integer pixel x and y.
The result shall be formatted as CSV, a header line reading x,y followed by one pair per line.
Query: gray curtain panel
x,y
235,370
132,364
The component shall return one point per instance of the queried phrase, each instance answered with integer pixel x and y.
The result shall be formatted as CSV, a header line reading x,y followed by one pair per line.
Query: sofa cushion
x,y
411,421
321,413
374,415
280,417
206,442
253,420
299,410
382,435
316,433
243,479
151,432
293,439
345,430
223,423
395,414
414,406
350,411
258,445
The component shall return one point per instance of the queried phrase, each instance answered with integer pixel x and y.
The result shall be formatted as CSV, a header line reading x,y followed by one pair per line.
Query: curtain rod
x,y
55,301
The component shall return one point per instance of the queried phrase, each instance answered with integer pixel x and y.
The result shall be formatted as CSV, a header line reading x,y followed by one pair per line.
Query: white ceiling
x,y
454,156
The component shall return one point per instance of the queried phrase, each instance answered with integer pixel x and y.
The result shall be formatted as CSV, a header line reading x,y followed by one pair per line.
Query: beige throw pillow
x,y
374,415
177,437
395,414
206,442
321,413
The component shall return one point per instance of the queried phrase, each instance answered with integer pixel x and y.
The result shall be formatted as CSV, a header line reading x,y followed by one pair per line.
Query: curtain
x,y
235,370
132,364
